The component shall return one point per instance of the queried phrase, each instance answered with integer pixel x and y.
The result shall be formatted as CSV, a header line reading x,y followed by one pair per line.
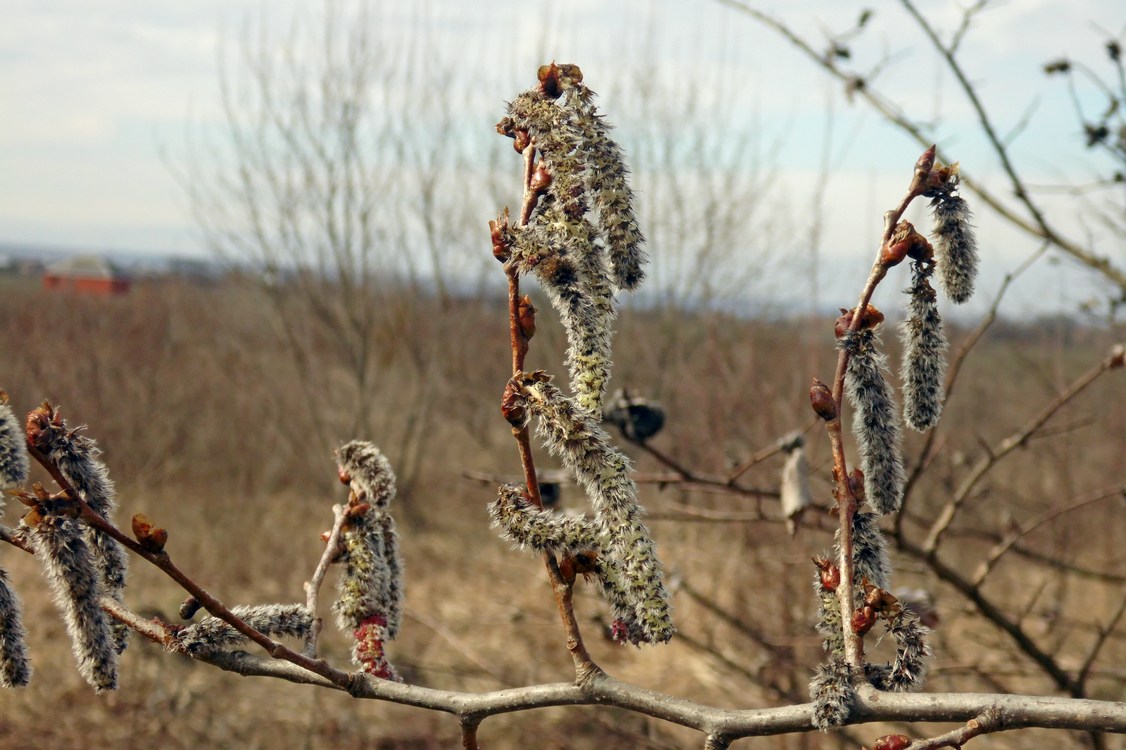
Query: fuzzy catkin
x,y
213,634
924,353
370,583
14,464
15,667
955,246
832,693
542,530
608,177
69,567
604,472
869,551
77,458
828,619
908,673
875,423
369,472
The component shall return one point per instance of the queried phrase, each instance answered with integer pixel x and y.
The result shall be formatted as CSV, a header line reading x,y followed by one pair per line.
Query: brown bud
x,y
856,484
898,245
892,742
1117,356
870,319
498,228
357,505
32,518
830,573
151,538
567,570
925,163
862,620
549,80
189,607
541,178
821,399
342,473
526,317
512,405
522,139
586,563
38,420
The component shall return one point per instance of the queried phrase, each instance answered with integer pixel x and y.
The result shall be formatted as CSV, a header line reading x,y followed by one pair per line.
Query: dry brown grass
x,y
208,430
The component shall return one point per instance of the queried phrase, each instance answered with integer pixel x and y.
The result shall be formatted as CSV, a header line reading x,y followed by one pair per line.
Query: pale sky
x,y
99,97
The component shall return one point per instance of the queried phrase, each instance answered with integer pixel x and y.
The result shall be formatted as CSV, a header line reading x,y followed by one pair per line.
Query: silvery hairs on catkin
x,y
561,244
924,352
77,458
70,571
955,244
14,463
875,422
604,472
213,634
371,583
15,667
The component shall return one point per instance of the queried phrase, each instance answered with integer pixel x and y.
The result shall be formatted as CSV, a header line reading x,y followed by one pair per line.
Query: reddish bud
x,y
856,484
925,163
821,399
526,317
870,319
512,405
892,742
521,140
151,538
830,573
342,473
541,179
189,607
862,620
498,229
549,80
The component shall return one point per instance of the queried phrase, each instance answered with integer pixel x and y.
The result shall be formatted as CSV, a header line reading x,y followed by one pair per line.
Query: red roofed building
x,y
85,274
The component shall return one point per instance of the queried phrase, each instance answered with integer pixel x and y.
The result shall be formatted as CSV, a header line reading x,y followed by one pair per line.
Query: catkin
x,y
924,353
955,246
604,472
78,460
874,424
214,634
15,667
14,464
69,567
542,530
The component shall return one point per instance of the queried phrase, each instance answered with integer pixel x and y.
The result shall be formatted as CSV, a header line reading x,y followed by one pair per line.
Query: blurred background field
x,y
210,428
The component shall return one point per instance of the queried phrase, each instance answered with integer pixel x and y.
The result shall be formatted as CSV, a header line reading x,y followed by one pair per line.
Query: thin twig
x,y
990,721
213,606
1010,540
313,585
585,667
994,454
1078,689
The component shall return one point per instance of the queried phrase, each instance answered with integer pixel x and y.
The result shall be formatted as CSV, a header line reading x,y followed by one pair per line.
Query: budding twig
x,y
313,585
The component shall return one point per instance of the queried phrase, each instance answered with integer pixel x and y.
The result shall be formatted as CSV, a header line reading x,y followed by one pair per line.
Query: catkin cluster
x,y
77,458
875,425
582,240
617,546
370,593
